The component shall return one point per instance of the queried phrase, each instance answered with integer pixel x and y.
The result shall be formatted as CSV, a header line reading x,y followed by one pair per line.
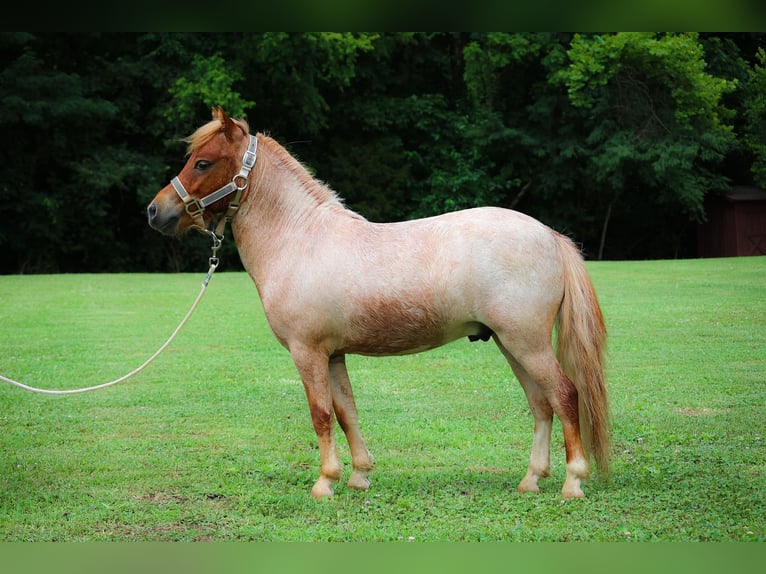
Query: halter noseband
x,y
196,207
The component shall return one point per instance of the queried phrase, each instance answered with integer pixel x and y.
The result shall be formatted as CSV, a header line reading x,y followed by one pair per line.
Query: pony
x,y
333,283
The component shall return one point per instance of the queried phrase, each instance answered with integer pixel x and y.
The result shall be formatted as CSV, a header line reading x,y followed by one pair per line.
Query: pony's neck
x,y
283,208
284,196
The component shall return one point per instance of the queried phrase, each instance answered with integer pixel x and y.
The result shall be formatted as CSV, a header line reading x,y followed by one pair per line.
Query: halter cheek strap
x,y
196,207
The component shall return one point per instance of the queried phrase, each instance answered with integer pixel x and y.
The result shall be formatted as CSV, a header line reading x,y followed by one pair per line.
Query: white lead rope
x,y
213,265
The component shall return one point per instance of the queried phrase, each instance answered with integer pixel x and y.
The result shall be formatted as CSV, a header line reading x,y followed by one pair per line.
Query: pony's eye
x,y
202,164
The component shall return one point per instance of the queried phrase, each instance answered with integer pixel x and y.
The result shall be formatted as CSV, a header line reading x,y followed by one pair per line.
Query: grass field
x,y
214,441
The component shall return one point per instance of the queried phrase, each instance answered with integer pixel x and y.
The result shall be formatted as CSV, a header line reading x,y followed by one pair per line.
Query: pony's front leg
x,y
313,367
345,410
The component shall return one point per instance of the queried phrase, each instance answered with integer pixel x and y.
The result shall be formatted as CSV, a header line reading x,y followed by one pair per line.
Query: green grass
x,y
214,441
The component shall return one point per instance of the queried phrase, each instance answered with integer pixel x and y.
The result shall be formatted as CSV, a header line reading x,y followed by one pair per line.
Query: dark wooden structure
x,y
736,223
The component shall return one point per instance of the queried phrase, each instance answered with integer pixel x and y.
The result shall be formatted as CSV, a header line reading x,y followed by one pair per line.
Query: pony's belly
x,y
386,349
405,340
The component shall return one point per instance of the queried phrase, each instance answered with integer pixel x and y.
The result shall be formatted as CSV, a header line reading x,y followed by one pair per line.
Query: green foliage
x,y
648,102
755,114
209,83
302,70
612,138
487,58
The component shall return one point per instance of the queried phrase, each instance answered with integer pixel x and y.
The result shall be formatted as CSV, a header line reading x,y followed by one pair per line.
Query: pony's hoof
x,y
529,484
358,481
572,492
533,489
322,489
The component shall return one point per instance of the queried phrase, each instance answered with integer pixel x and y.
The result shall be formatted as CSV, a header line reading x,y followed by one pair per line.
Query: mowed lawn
x,y
213,441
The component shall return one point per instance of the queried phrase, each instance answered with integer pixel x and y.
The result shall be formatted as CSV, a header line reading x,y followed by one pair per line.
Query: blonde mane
x,y
315,188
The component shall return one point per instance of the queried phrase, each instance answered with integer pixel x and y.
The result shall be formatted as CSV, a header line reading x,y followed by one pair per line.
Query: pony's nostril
x,y
163,220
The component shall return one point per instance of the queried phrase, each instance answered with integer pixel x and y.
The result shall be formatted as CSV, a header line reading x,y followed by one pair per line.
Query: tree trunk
x,y
603,230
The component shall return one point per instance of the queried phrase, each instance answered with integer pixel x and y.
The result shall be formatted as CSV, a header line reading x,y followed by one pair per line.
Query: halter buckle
x,y
193,206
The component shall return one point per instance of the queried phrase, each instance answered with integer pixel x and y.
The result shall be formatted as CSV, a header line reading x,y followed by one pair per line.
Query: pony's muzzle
x,y
162,220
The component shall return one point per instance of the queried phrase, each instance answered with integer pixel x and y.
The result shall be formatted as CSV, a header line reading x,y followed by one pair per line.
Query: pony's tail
x,y
581,344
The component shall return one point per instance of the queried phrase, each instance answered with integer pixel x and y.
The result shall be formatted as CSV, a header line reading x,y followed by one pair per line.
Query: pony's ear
x,y
218,113
228,125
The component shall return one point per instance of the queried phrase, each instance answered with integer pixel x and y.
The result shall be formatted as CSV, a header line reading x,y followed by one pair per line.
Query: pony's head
x,y
217,151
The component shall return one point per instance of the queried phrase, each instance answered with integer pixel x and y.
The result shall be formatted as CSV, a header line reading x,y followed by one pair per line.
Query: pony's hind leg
x,y
345,410
566,403
540,455
549,390
313,367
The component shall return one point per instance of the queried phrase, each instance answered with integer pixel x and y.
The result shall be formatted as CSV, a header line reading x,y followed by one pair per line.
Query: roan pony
x,y
333,283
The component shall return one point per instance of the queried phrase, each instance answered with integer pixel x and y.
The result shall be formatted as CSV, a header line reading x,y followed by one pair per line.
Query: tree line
x,y
613,139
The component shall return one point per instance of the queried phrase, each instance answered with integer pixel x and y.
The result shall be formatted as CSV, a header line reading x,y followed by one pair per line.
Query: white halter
x,y
195,207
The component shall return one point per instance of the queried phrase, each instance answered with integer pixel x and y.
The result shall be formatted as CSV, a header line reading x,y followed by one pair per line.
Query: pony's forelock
x,y
205,133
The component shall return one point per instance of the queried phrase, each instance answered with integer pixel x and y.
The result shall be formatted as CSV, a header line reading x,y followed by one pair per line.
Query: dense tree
x,y
755,115
612,138
653,125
